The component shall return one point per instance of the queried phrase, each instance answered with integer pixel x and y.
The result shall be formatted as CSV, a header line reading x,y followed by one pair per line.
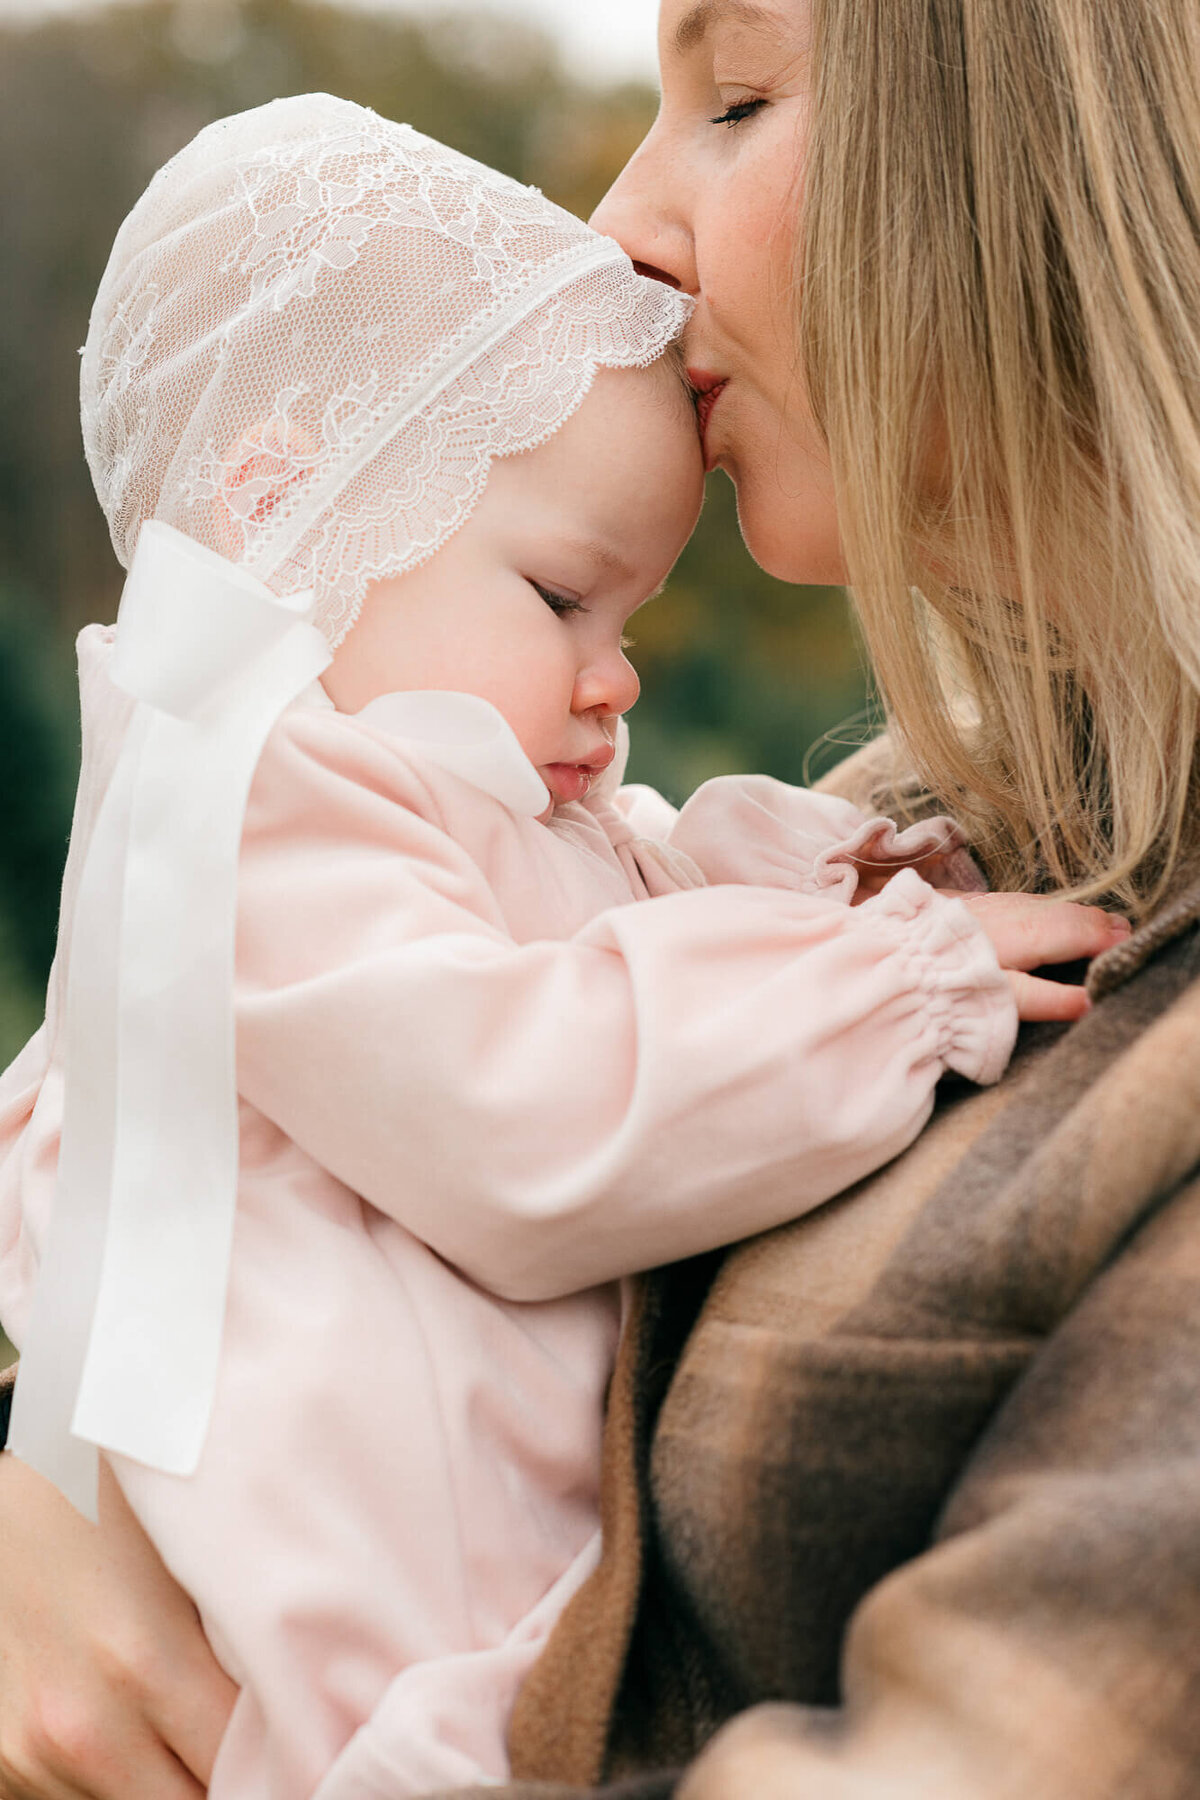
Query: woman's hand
x,y
1031,932
108,1689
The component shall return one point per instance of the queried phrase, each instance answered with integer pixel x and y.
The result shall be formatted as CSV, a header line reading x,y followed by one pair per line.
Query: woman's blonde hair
x,y
1000,327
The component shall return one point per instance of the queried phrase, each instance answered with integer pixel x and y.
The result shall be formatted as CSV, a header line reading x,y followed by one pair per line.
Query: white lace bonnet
x,y
315,332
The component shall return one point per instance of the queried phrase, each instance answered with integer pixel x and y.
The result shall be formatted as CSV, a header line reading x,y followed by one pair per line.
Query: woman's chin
x,y
793,538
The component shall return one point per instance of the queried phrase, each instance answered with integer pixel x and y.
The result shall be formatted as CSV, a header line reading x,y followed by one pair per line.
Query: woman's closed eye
x,y
739,111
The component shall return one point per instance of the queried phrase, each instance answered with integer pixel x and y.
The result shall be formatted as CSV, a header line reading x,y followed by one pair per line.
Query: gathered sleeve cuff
x,y
754,829
970,1001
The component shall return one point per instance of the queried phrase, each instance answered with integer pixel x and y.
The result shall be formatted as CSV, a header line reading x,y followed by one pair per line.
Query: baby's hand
x,y
1028,931
943,869
874,877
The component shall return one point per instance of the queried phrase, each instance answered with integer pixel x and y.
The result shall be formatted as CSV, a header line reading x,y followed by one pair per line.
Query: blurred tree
x,y
738,671
38,710
39,744
91,106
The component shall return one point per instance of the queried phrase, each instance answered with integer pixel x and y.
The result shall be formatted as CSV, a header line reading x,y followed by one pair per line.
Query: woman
x,y
926,1463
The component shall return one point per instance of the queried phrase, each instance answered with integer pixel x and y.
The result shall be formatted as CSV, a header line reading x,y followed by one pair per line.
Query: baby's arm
x,y
546,1116
752,828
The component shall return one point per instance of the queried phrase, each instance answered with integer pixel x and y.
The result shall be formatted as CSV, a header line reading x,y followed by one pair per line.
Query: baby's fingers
x,y
1038,999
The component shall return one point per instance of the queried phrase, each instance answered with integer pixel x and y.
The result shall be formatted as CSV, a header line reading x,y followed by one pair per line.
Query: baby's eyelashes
x,y
558,603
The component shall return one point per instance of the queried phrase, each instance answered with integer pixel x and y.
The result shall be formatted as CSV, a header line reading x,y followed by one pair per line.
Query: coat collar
x,y
1176,915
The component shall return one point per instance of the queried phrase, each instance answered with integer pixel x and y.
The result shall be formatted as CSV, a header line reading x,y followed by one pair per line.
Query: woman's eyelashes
x,y
739,111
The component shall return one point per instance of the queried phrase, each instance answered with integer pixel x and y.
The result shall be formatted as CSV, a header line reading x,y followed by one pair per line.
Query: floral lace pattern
x,y
317,330
304,218
123,349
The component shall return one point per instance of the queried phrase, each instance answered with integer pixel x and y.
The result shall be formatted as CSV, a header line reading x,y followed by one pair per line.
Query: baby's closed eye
x,y
558,603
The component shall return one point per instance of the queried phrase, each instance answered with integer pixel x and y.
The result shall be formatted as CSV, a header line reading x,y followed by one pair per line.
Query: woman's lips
x,y
708,389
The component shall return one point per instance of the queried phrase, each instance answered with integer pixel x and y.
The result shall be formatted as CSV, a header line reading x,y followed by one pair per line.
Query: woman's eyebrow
x,y
695,25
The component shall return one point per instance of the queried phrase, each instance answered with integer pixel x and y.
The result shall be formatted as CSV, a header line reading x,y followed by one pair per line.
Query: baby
x,y
393,448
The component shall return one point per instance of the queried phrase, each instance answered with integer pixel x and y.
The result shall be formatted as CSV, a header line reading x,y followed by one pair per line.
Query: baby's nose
x,y
611,684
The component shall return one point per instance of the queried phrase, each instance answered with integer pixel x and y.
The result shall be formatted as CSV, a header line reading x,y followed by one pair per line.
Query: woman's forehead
x,y
688,24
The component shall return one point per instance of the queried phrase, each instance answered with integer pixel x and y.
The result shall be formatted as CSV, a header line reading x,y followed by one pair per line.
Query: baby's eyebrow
x,y
601,556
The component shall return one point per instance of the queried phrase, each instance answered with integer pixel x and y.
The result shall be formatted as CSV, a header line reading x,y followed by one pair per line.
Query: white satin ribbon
x,y
124,1341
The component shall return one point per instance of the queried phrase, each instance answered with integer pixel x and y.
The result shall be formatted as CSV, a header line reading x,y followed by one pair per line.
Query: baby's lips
x,y
599,760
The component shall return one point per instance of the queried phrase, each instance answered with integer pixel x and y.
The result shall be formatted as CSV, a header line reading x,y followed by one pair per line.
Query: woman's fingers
x,y
1029,932
58,1757
1038,999
107,1686
188,1702
55,1747
190,1716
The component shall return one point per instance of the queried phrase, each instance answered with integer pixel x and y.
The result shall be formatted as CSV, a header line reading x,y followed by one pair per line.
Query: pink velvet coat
x,y
478,1086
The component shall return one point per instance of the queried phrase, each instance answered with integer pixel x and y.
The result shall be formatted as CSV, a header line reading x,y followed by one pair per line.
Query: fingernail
x,y
1119,927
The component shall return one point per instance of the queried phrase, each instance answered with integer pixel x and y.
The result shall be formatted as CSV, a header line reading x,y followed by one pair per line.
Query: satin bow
x,y
125,1335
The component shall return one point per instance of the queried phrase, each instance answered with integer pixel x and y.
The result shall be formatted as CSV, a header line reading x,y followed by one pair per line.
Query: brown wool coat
x,y
924,1465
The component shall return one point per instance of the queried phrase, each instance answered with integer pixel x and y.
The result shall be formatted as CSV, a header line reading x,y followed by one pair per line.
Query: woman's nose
x,y
643,210
610,685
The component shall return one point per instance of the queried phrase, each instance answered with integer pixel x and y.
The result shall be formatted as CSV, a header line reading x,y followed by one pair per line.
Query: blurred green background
x,y
737,670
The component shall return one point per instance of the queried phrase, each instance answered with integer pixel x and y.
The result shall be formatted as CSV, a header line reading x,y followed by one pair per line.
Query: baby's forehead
x,y
633,402
669,374
624,471
673,363
663,382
